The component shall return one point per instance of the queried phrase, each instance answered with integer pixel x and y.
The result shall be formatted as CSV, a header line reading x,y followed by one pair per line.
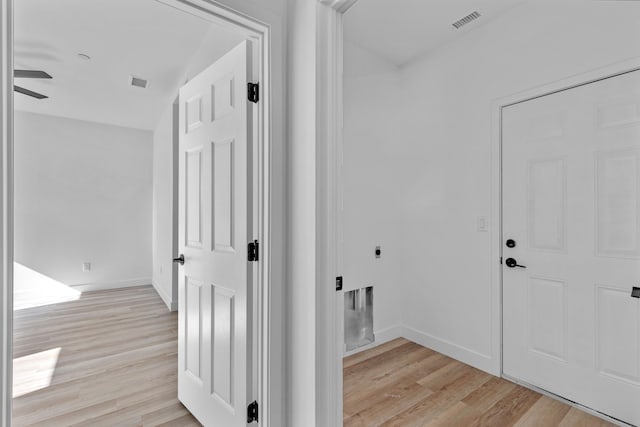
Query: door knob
x,y
179,260
512,263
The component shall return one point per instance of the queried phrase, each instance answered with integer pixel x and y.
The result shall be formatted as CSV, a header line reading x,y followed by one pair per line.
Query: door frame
x,y
266,30
329,227
572,82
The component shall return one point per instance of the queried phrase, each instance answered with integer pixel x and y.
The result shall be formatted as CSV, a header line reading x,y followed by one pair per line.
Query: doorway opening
x,y
98,209
419,217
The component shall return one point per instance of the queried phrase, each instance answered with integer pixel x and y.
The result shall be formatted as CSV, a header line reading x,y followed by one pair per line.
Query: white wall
x,y
301,216
371,160
164,212
442,165
82,194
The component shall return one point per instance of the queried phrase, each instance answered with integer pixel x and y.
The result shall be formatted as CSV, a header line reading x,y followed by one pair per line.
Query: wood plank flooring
x,y
106,359
401,383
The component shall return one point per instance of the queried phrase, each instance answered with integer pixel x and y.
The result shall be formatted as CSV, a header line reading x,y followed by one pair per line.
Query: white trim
x,y
381,337
448,348
171,304
340,6
102,286
6,220
269,33
455,351
328,96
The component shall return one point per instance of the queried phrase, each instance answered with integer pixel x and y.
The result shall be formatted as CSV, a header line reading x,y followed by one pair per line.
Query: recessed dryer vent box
x,y
358,318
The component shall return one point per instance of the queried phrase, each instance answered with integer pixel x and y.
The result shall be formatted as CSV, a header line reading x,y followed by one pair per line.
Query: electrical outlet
x,y
86,266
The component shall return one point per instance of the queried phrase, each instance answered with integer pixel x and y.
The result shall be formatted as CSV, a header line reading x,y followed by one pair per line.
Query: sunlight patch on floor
x,y
35,371
33,289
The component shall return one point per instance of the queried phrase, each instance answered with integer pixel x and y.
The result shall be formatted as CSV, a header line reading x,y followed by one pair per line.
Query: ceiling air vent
x,y
139,82
466,20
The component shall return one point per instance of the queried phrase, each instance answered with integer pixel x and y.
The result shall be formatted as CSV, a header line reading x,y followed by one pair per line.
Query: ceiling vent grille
x,y
139,82
466,20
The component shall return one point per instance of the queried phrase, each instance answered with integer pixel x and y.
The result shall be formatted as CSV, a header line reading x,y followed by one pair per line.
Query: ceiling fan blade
x,y
29,92
31,74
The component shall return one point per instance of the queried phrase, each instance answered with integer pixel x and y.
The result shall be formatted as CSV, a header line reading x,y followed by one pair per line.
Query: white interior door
x,y
214,338
571,204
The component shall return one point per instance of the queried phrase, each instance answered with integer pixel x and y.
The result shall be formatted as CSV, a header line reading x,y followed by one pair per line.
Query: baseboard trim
x,y
382,336
455,351
101,286
171,305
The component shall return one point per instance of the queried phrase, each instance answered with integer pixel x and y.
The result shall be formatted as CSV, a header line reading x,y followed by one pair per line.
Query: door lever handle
x,y
179,260
512,263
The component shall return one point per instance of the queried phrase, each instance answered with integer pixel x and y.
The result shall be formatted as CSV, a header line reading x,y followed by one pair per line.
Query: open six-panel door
x,y
571,228
215,225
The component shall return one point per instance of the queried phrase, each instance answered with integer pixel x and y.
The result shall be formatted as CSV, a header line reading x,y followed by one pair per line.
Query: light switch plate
x,y
483,223
86,266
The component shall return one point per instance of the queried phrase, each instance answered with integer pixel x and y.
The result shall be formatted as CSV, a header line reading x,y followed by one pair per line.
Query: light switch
x,y
86,266
483,223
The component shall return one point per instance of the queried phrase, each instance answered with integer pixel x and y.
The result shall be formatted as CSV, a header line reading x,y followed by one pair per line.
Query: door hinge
x,y
254,251
252,412
338,283
253,92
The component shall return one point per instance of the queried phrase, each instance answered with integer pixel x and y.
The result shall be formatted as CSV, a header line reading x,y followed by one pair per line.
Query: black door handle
x,y
179,260
512,263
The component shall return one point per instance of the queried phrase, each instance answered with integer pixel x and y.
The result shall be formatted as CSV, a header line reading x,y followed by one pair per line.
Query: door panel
x,y
222,161
617,175
547,204
618,324
571,179
547,317
215,299
194,197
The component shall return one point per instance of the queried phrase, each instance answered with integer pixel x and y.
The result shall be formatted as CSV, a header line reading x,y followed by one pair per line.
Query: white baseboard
x,y
101,286
171,305
382,336
455,351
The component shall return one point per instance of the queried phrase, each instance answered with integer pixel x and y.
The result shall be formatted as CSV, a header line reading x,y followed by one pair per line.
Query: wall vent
x,y
466,20
139,82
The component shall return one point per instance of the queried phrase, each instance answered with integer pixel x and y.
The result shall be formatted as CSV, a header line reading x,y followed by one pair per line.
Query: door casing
x,y
267,34
330,137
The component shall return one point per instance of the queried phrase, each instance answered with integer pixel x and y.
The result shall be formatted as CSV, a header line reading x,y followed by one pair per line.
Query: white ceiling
x,y
143,38
401,31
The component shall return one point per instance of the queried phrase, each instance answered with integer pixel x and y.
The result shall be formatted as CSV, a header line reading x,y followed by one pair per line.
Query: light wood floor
x,y
404,384
107,359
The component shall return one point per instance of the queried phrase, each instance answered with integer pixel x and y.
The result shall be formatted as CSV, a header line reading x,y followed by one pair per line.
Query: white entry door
x,y
571,207
214,305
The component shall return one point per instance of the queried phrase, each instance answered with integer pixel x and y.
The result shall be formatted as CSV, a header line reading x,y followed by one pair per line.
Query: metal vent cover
x,y
139,82
466,20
